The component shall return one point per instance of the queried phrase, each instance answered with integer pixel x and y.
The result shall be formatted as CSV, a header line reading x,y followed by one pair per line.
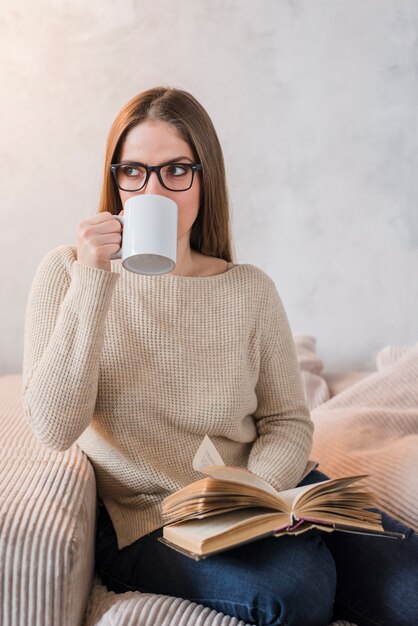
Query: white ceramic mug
x,y
149,238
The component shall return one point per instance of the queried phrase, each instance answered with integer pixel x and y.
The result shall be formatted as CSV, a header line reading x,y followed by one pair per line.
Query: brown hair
x,y
210,234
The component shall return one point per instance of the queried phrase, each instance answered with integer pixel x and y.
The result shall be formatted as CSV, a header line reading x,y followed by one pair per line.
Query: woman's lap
x,y
291,581
288,580
377,578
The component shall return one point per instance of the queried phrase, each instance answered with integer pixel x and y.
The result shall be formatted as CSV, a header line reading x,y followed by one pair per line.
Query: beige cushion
x,y
47,509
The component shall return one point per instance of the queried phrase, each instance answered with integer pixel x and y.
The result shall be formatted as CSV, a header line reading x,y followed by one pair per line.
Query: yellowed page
x,y
224,530
241,476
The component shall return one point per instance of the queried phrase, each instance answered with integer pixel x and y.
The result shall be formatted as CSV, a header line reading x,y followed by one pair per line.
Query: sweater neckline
x,y
179,278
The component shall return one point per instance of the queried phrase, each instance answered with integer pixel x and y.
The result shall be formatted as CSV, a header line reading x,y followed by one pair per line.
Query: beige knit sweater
x,y
137,369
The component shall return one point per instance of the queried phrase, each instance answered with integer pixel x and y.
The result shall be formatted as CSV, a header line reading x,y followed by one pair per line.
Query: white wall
x,y
315,103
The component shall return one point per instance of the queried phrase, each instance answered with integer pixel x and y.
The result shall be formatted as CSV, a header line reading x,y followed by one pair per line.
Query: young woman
x,y
138,369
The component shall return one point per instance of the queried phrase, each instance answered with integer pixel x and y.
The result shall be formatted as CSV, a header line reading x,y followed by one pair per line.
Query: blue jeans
x,y
291,581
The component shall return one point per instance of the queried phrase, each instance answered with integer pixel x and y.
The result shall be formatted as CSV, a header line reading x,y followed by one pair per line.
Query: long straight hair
x,y
211,231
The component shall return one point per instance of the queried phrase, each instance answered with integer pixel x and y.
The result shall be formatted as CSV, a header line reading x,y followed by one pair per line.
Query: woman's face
x,y
153,143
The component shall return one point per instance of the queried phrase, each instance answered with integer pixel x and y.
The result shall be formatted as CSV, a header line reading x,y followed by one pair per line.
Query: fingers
x,y
98,237
99,224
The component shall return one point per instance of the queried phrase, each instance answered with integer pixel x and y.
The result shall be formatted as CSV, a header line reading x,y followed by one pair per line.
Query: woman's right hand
x,y
98,237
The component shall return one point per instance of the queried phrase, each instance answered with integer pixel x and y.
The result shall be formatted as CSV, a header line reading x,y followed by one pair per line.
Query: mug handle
x,y
118,254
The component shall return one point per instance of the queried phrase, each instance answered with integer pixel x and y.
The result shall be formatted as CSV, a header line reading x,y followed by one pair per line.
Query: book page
x,y
206,455
319,492
226,529
240,476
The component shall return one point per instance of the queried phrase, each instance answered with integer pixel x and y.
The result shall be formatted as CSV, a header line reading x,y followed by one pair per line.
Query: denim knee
x,y
297,592
309,598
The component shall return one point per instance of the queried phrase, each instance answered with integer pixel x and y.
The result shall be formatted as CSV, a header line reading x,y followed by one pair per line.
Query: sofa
x,y
47,526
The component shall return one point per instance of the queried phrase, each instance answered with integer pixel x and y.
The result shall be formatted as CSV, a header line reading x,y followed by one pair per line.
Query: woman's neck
x,y
186,261
192,263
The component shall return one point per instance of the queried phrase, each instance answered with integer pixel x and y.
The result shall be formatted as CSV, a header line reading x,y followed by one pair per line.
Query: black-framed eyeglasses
x,y
173,176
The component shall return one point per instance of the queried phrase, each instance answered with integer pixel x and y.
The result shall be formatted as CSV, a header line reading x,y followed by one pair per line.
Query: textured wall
x,y
315,104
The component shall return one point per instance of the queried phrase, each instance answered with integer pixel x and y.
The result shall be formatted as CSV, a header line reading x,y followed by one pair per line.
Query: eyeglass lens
x,y
176,176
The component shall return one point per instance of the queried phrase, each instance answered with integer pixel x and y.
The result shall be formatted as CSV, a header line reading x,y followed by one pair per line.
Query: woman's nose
x,y
153,185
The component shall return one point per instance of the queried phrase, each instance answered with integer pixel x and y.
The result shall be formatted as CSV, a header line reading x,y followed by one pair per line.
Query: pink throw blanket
x,y
372,428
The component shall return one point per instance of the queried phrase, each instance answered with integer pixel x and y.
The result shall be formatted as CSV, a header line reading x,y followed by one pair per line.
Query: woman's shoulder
x,y
64,253
254,273
60,259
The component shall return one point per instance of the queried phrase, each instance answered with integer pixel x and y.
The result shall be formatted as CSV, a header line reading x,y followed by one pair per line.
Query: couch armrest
x,y
47,523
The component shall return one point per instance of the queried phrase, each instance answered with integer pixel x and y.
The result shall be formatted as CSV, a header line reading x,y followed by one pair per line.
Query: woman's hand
x,y
98,237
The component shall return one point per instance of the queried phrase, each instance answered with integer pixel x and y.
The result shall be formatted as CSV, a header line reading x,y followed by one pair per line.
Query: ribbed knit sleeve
x,y
281,450
64,330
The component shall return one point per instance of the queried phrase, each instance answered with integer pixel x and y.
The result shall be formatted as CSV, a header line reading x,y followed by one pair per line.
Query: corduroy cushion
x,y
47,519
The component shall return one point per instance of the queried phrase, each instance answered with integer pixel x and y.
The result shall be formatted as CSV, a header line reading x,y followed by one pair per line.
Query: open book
x,y
232,506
